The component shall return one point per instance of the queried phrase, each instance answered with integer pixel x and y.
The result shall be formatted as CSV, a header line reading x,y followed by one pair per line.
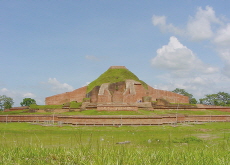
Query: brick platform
x,y
116,107
116,119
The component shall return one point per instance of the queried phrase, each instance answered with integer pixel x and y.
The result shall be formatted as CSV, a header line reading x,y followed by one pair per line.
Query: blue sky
x,y
51,47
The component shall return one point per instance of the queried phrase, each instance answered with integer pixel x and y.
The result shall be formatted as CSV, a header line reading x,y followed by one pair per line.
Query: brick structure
x,y
76,95
115,119
118,94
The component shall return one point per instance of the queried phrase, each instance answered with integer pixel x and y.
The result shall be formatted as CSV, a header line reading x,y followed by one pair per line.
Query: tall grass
x,y
110,155
23,143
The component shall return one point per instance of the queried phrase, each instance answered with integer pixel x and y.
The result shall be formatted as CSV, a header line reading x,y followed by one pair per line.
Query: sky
x,y
52,47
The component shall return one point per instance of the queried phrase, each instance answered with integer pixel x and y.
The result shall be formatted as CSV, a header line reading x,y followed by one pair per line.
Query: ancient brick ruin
x,y
114,120
124,95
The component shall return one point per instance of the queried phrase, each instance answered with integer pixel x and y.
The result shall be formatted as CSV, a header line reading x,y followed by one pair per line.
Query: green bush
x,y
75,104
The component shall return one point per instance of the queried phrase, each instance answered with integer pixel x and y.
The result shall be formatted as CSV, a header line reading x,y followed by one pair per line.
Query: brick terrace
x,y
116,119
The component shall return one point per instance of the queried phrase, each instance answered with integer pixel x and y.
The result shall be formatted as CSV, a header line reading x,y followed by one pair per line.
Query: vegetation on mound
x,y
113,76
74,104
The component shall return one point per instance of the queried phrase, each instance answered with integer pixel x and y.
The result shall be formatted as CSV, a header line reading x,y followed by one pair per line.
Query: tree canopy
x,y
27,102
5,102
219,99
183,92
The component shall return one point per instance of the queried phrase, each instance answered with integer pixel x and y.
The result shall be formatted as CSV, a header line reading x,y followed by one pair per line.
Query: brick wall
x,y
57,99
107,107
154,93
105,98
167,95
118,93
116,119
76,95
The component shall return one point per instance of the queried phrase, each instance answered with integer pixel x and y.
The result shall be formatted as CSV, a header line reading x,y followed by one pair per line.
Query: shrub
x,y
75,104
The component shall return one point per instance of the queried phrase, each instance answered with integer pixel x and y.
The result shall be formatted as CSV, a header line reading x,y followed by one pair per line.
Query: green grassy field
x,y
24,143
139,112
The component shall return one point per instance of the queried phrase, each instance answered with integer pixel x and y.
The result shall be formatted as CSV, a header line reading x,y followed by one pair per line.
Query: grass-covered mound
x,y
113,76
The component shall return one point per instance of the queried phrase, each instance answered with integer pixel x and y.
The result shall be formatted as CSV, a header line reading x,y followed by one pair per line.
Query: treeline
x,y
218,99
7,103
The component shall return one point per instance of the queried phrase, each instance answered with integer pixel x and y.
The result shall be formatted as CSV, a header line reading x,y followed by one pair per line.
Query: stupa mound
x,y
117,89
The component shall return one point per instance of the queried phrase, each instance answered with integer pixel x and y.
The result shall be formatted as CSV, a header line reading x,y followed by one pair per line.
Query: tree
x,y
183,92
193,101
27,102
5,102
219,99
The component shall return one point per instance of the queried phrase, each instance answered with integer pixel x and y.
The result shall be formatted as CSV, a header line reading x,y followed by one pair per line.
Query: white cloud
x,y
200,26
224,54
160,21
56,86
86,84
29,95
10,93
226,70
91,57
222,37
4,90
222,42
201,81
179,60
198,86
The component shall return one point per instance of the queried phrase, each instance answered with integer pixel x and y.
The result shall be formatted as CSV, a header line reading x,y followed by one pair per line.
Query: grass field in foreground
x,y
139,112
24,143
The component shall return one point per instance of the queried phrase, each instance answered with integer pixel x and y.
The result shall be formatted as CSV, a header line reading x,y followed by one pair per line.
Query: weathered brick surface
x,y
105,98
117,67
105,107
27,118
57,99
76,95
120,92
128,91
116,120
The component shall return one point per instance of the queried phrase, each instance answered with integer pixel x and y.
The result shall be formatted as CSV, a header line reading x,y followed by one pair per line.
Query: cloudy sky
x,y
51,47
